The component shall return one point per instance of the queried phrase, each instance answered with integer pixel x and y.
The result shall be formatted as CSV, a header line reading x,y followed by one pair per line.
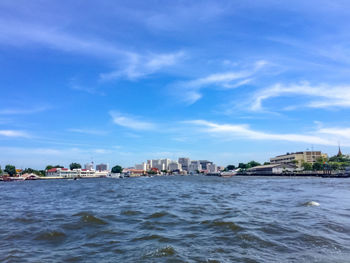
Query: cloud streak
x,y
131,122
191,90
237,131
14,133
321,96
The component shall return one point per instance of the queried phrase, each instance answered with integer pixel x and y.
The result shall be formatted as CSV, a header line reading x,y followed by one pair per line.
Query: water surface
x,y
176,219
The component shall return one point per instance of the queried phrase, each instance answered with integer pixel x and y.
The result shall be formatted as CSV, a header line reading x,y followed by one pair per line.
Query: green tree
x,y
117,169
252,164
74,166
267,163
0,170
317,166
230,167
242,166
306,166
10,169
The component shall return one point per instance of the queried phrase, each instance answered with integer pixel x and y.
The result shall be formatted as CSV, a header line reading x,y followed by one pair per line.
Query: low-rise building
x,y
298,157
277,168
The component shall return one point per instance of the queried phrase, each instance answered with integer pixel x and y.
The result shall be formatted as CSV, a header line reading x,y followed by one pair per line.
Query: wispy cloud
x,y
237,131
191,90
14,133
138,65
129,64
18,111
131,122
88,131
321,96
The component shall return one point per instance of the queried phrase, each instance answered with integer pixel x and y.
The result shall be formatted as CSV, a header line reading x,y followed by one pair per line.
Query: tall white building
x,y
194,167
166,163
173,166
185,162
212,168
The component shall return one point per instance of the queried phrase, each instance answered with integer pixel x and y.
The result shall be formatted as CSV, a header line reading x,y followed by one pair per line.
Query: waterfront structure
x,y
277,168
89,166
175,166
212,168
194,167
101,167
298,158
67,173
185,163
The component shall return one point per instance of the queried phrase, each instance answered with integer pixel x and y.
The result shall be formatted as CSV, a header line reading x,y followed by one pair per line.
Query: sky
x,y
120,82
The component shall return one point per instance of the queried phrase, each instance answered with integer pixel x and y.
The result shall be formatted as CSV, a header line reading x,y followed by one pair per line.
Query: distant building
x,y
185,163
142,166
101,167
166,163
204,164
194,167
212,168
89,166
277,168
298,157
174,166
67,173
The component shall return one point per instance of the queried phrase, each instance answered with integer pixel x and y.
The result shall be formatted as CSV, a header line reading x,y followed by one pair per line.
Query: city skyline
x,y
121,83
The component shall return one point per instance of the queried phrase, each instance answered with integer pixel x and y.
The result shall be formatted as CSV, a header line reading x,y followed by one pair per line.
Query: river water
x,y
176,219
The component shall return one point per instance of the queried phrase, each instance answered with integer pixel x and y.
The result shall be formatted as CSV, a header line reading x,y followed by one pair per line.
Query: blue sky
x,y
125,81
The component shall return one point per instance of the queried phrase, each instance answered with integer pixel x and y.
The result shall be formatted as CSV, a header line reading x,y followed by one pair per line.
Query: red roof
x,y
52,170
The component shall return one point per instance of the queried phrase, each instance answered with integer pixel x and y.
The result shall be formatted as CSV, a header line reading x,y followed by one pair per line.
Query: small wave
x,y
311,203
130,212
152,237
51,236
162,252
90,219
25,220
223,224
158,215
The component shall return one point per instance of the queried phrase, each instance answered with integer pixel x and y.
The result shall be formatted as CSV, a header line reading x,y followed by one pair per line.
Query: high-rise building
x,y
101,167
194,167
185,162
166,163
89,166
142,166
204,164
174,166
212,168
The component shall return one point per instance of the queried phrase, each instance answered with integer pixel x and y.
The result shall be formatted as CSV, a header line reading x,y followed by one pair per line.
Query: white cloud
x,y
15,111
88,131
322,96
13,133
138,65
236,131
131,122
190,90
131,65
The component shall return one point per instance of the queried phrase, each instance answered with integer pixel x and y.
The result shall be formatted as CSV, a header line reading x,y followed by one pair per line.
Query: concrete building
x,y
101,167
298,158
166,163
204,164
67,173
175,166
142,166
185,163
272,169
89,166
194,167
212,168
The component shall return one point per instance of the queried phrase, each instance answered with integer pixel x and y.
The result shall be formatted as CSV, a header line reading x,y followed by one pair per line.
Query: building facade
x,y
101,167
185,163
298,158
175,166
